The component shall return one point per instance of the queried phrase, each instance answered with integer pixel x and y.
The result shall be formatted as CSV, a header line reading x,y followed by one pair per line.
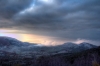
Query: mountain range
x,y
16,53
13,45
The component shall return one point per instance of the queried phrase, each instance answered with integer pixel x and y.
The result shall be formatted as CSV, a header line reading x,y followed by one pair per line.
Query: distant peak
x,y
7,41
85,43
70,44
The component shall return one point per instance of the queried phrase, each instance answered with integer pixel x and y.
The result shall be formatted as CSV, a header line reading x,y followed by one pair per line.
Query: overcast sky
x,y
64,20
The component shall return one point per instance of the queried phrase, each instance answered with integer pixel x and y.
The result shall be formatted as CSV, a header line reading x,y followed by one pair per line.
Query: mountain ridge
x,y
13,45
67,54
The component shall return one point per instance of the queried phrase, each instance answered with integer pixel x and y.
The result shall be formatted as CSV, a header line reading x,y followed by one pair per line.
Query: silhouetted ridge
x,y
7,41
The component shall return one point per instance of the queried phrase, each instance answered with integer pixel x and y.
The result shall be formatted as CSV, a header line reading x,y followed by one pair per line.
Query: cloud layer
x,y
64,19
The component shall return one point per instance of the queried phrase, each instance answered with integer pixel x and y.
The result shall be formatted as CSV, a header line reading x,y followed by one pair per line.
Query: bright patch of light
x,y
34,4
26,10
31,7
78,41
46,1
9,35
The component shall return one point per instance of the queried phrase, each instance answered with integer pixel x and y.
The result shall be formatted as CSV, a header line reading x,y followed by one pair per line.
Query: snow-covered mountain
x,y
13,45
72,47
87,45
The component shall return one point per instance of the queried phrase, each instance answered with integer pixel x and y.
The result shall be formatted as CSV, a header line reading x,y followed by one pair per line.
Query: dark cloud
x,y
65,19
8,8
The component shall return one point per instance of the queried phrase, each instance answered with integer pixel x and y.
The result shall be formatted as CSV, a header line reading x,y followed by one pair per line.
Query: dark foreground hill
x,y
85,58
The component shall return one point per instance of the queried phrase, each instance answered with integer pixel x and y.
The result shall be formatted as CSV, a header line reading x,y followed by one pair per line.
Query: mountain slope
x,y
7,41
13,45
85,58
87,45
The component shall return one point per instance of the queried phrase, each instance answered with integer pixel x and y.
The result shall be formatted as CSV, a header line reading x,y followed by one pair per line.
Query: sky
x,y
51,22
